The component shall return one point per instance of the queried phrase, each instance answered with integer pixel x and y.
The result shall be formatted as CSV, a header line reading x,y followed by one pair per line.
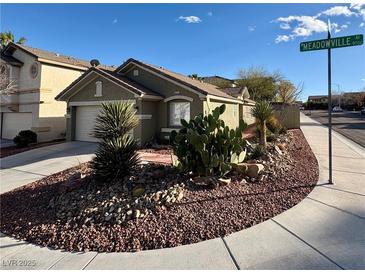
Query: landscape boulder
x,y
250,169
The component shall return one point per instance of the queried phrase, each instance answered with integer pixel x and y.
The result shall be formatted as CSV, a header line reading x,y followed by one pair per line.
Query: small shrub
x,y
271,137
258,152
25,138
262,111
274,125
116,155
206,146
115,158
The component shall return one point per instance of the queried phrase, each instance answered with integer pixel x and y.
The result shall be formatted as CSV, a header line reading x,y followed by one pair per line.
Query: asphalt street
x,y
348,123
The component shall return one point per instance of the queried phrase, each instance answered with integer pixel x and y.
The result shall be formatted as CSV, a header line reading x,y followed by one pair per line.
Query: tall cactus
x,y
206,146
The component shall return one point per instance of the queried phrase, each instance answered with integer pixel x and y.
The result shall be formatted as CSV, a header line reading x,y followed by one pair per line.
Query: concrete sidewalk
x,y
324,231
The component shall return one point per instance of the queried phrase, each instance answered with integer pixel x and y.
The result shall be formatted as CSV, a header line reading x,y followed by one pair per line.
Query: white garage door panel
x,y
15,122
85,122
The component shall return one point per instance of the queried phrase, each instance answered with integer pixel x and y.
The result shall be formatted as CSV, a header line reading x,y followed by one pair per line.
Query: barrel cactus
x,y
206,146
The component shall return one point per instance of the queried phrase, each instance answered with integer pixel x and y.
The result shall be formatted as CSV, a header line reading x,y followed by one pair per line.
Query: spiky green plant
x,y
262,111
116,155
115,158
115,120
206,146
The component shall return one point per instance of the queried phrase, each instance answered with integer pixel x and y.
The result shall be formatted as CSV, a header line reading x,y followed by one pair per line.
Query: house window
x,y
234,111
178,111
135,72
99,89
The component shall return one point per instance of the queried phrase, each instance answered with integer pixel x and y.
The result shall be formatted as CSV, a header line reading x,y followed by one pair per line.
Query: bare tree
x,y
287,92
7,85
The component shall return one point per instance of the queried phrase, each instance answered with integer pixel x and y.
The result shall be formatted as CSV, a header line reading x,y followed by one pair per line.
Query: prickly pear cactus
x,y
206,146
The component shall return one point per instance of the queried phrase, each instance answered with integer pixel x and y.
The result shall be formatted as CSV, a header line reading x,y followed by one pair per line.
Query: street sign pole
x,y
330,43
329,115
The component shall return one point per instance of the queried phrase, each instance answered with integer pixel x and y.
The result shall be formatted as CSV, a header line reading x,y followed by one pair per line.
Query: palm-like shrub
x,y
115,120
116,155
262,111
115,158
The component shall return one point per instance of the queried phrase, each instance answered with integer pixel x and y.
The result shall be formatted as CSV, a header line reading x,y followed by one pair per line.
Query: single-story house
x,y
161,98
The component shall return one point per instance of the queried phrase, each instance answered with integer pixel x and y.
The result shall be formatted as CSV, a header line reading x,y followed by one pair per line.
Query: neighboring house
x,y
242,94
30,79
218,81
161,98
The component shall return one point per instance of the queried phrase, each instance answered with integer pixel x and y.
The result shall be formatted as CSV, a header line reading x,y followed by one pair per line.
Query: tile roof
x,y
204,88
114,77
52,56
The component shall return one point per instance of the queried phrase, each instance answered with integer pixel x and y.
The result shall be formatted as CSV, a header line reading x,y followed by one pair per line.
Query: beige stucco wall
x,y
245,112
111,91
230,116
85,92
26,98
25,80
166,89
54,79
36,95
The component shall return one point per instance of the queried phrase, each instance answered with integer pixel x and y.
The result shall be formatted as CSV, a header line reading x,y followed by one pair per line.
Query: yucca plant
x,y
262,111
115,158
115,120
116,155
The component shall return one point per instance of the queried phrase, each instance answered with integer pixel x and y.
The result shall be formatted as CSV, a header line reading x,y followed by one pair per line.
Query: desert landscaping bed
x,y
157,207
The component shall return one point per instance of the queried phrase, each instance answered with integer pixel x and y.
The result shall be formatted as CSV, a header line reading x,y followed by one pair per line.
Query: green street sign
x,y
338,42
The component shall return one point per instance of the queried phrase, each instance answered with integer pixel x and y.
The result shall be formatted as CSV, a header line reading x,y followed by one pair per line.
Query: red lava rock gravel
x,y
202,214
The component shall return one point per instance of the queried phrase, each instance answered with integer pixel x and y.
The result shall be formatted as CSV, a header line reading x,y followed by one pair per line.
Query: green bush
x,y
206,146
262,111
25,138
257,152
274,125
116,155
115,158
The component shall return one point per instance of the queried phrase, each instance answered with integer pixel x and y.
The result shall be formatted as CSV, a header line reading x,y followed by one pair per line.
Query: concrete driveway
x,y
32,165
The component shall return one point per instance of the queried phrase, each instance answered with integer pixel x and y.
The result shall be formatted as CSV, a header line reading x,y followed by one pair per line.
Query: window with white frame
x,y
234,111
99,89
135,72
178,111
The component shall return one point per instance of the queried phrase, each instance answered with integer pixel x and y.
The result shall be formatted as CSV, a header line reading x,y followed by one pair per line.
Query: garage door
x,y
85,122
15,122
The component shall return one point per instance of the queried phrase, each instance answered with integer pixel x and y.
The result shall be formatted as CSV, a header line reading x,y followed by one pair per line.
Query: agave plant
x,y
115,120
115,158
262,111
116,155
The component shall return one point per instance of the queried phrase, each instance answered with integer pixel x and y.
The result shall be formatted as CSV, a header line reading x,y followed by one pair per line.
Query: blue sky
x,y
208,39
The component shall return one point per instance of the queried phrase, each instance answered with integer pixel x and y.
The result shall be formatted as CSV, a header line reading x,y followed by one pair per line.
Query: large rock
x,y
253,170
250,169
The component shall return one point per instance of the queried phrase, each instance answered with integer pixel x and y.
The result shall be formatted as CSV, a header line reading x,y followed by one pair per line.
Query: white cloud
x,y
284,26
306,25
357,6
251,28
210,13
115,20
282,38
337,11
190,19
